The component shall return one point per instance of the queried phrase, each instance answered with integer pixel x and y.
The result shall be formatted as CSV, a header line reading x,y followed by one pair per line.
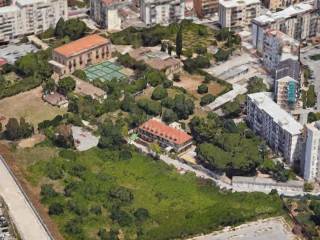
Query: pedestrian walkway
x,y
25,218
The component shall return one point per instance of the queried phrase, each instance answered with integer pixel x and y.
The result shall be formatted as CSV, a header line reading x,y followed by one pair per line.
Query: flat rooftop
x,y
264,102
237,3
284,14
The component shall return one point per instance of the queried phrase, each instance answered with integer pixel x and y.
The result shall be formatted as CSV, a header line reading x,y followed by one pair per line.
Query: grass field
x,y
178,205
30,106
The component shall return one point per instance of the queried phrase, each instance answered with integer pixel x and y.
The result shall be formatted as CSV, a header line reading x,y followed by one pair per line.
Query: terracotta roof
x,y
162,130
81,45
3,61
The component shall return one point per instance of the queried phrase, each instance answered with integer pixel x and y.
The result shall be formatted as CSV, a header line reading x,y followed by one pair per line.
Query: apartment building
x,y
278,4
238,14
105,12
299,22
80,54
311,162
278,48
30,17
206,8
4,3
166,136
286,92
161,11
280,130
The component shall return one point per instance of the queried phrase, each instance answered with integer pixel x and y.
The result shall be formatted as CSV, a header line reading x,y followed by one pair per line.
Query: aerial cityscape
x,y
159,119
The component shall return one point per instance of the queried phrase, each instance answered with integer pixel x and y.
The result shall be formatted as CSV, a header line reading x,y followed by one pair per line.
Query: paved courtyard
x,y
272,229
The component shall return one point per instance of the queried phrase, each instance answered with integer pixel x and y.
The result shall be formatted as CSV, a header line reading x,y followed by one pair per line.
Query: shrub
x,y
202,88
56,209
122,194
80,74
123,218
176,77
68,154
167,84
141,214
47,192
206,99
159,93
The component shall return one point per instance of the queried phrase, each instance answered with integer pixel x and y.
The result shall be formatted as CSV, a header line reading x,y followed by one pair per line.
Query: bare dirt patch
x,y
28,105
32,141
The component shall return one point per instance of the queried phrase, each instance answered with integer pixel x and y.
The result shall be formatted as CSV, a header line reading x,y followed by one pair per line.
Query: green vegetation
x,y
206,99
225,146
202,88
315,57
100,192
66,85
233,109
72,28
309,97
312,117
18,129
256,84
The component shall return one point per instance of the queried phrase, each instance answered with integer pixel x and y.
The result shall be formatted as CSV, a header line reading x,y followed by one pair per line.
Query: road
x,y
274,229
24,217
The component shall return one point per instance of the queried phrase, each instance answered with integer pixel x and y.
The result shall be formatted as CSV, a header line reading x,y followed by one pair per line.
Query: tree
x,y
49,86
74,28
222,55
80,74
12,129
63,136
167,84
56,209
66,85
232,109
111,135
159,93
155,78
183,106
47,192
179,41
141,214
123,218
169,116
256,84
176,77
59,30
121,194
206,99
150,107
202,88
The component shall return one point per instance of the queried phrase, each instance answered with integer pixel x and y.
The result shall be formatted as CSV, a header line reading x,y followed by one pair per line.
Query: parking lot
x,y
272,229
13,52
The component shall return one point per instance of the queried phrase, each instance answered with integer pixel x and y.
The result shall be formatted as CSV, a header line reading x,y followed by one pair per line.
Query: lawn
x,y
30,106
178,205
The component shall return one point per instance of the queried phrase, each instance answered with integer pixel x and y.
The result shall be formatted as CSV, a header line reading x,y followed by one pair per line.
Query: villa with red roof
x,y
79,54
167,137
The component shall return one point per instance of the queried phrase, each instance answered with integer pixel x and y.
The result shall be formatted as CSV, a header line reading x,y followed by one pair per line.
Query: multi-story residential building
x,y
204,8
4,3
167,137
280,130
299,22
279,48
286,92
105,12
311,163
161,11
80,54
238,14
30,17
278,4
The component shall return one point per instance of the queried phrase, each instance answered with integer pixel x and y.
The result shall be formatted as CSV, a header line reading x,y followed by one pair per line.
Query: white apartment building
x,y
30,17
238,14
299,22
106,12
276,50
312,152
286,92
161,11
280,130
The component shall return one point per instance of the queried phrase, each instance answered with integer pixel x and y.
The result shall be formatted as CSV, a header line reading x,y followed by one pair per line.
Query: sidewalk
x,y
25,218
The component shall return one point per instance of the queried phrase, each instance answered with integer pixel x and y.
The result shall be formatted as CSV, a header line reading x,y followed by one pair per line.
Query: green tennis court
x,y
104,71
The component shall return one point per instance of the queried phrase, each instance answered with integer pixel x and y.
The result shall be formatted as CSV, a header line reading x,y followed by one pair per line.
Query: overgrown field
x,y
103,193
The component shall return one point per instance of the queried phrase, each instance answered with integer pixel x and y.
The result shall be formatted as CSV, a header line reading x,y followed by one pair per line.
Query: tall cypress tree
x,y
179,42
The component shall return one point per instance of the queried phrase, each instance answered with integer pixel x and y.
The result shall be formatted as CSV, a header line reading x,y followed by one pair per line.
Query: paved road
x,y
272,229
23,216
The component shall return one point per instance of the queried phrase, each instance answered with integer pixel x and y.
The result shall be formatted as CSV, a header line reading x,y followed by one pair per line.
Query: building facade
x,y
4,3
161,11
80,54
299,22
105,12
167,137
274,5
206,8
238,14
280,130
279,47
286,92
311,164
30,17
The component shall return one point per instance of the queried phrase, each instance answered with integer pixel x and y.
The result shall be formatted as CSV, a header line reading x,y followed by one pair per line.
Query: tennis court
x,y
105,71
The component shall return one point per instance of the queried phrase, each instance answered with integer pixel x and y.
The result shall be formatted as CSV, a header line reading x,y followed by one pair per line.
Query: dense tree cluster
x,y
256,84
72,28
18,129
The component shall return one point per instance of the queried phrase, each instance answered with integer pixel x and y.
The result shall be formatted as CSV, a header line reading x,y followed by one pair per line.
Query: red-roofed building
x,y
81,53
156,131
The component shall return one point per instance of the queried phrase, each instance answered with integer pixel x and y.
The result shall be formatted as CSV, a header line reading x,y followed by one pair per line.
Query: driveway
x,y
23,215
